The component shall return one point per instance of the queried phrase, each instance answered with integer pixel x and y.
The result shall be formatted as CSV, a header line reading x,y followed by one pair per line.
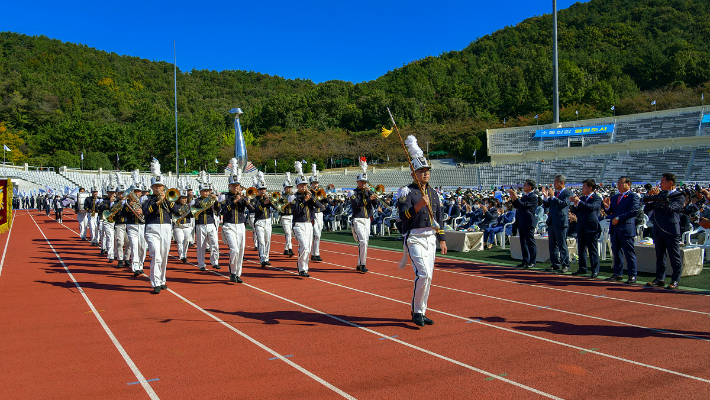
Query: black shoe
x,y
290,252
239,280
318,258
594,275
552,268
427,320
672,286
564,269
363,269
313,258
216,267
631,280
110,260
286,253
579,272
184,260
418,319
656,282
357,268
120,264
136,273
303,274
156,290
255,249
521,265
102,251
267,262
615,277
202,268
233,277
163,286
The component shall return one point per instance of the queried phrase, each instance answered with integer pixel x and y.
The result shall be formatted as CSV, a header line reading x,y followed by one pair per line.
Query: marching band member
x,y
205,230
255,183
317,215
157,229
91,206
135,227
262,220
190,199
233,230
362,202
287,217
301,204
107,228
182,229
420,233
122,245
81,212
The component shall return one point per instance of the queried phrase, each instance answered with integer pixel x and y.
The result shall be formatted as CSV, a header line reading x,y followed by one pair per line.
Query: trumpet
x,y
172,195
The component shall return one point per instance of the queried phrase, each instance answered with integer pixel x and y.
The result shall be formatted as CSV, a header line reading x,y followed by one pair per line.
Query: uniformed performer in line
x,y
157,229
232,206
135,226
362,201
91,206
122,245
316,215
287,216
254,184
182,219
205,229
82,215
301,205
421,230
263,207
107,228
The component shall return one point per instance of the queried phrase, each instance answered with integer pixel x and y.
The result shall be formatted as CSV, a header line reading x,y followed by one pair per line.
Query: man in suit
x,y
525,219
621,209
665,215
586,208
451,209
557,203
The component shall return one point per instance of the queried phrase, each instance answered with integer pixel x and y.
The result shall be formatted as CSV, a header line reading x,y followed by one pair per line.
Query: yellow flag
x,y
386,132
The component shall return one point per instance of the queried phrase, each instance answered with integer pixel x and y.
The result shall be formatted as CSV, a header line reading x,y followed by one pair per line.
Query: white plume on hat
x,y
255,180
155,167
136,177
202,177
363,165
299,168
413,147
95,184
233,166
260,179
314,169
119,179
288,177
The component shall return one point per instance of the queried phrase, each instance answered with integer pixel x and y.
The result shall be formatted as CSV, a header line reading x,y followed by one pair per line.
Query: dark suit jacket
x,y
666,217
558,213
455,210
587,212
626,211
525,210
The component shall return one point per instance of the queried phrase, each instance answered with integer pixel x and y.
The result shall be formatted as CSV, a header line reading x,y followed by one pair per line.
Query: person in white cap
x,y
122,245
91,205
287,217
317,215
107,231
301,204
362,201
135,228
263,207
232,206
81,214
157,229
182,219
421,229
205,229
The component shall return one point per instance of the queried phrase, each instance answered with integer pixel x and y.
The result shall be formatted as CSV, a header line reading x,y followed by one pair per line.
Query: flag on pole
x,y
535,116
117,159
6,148
653,103
82,156
474,153
577,112
184,162
274,162
613,108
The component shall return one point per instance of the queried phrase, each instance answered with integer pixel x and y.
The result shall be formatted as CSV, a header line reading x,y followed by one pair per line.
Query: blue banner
x,y
706,119
582,130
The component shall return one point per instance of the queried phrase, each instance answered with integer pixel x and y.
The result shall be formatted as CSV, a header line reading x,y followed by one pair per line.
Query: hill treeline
x,y
59,99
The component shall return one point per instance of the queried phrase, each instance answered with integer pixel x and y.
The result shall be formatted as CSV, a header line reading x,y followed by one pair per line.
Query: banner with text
x,y
582,130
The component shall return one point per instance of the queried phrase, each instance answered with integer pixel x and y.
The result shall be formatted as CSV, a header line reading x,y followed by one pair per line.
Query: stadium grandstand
x,y
641,146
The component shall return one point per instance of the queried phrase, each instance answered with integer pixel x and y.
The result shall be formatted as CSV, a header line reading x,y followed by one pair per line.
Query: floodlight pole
x,y
177,156
555,69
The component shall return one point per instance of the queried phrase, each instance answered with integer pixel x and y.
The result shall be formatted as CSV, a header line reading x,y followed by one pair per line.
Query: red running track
x,y
498,332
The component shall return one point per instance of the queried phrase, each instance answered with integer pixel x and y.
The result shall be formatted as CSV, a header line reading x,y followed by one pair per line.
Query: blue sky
x,y
316,40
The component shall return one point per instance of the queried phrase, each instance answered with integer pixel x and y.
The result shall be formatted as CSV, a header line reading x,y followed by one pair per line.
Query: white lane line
x,y
4,253
266,348
523,283
512,330
378,334
119,347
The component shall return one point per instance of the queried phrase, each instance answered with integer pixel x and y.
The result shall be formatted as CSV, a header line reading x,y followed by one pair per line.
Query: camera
x,y
661,197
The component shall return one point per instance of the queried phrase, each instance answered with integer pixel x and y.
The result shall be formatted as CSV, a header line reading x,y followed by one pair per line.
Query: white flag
x,y
577,112
653,103
474,153
82,156
6,148
612,108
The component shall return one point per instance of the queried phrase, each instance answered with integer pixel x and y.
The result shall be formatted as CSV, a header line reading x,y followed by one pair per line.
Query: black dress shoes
x,y
656,282
286,253
184,260
521,265
303,274
136,273
216,267
156,290
163,286
418,319
120,264
233,277
672,286
363,269
427,320
631,280
615,277
239,280
579,272
290,252
202,268
594,275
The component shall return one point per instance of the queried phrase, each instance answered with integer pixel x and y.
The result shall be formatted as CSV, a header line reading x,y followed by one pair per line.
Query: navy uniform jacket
x,y
666,217
90,204
155,213
625,207
558,213
175,209
287,206
119,218
361,204
525,206
104,205
302,208
128,215
261,210
207,216
412,219
234,213
587,212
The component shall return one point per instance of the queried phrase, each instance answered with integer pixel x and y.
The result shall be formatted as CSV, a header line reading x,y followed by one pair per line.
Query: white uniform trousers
x,y
108,239
122,249
158,238
304,235
361,233
137,243
182,234
100,229
206,234
192,232
253,231
317,230
83,219
422,251
262,228
233,236
94,227
287,224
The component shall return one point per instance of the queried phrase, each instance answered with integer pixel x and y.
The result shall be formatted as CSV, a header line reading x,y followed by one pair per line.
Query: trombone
x,y
377,190
172,195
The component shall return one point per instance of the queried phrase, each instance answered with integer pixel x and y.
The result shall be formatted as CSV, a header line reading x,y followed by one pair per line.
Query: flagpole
x,y
177,156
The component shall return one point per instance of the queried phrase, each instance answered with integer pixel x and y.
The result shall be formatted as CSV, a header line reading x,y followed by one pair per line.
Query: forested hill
x,y
59,98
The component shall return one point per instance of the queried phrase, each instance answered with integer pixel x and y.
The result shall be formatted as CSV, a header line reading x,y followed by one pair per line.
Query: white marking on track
x,y
4,253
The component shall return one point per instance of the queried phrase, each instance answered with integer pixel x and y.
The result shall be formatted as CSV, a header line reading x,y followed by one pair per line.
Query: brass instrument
x,y
108,216
274,197
251,193
197,211
320,194
136,205
172,195
377,190
184,212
